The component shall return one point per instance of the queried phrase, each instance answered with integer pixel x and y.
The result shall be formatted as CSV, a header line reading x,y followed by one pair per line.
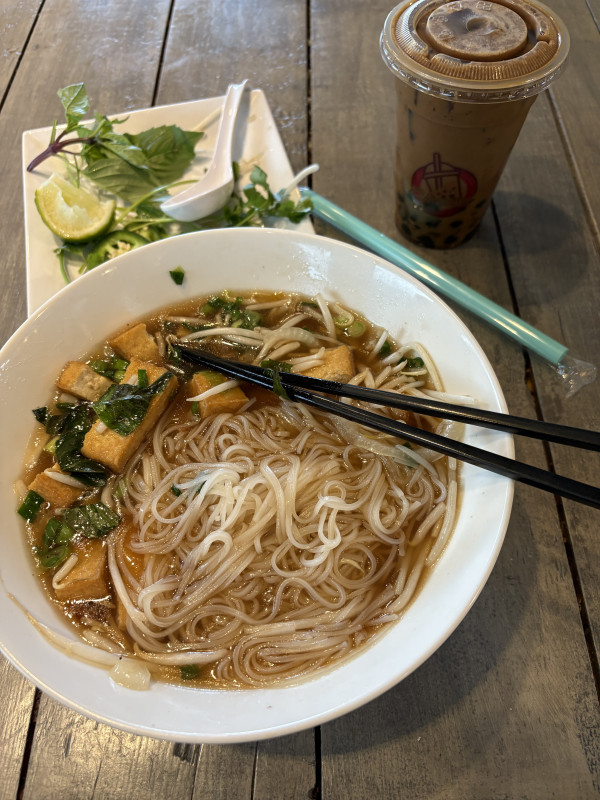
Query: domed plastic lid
x,y
474,50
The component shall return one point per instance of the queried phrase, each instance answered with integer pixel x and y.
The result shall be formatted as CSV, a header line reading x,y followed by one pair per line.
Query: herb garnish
x,y
189,671
114,369
123,406
275,368
92,521
74,426
55,547
139,169
233,312
256,201
128,165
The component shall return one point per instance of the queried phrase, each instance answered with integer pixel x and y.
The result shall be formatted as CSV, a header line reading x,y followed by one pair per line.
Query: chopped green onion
x,y
114,369
386,349
356,329
189,671
343,321
415,363
176,490
177,274
53,556
275,368
195,408
142,376
31,505
50,446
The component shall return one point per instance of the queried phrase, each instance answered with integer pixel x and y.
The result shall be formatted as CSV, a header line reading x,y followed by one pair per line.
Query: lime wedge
x,y
74,214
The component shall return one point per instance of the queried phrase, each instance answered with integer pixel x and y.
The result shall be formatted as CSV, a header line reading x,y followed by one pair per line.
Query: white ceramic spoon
x,y
212,191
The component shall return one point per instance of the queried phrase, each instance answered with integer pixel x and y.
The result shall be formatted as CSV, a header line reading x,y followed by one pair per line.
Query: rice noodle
x,y
264,544
307,541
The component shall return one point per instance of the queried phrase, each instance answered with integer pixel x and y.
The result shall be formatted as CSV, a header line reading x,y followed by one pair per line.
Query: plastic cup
x,y
468,72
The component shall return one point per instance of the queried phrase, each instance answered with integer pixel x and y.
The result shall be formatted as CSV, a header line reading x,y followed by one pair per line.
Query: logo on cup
x,y
441,188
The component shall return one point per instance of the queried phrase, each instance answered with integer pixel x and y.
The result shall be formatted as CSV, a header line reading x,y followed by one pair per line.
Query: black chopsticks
x,y
303,389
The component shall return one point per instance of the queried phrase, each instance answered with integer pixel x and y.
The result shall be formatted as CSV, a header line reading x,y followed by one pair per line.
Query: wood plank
x,y
576,100
15,715
17,18
553,261
285,767
69,750
491,705
212,44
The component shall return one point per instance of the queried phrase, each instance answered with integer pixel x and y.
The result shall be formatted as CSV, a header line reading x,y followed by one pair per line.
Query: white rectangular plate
x,y
257,142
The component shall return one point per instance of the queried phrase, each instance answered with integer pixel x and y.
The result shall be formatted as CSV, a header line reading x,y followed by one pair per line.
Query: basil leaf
x,y
120,144
118,177
168,151
76,423
123,406
41,414
75,102
92,521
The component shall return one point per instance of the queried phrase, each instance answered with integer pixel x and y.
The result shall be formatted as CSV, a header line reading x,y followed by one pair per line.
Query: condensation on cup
x,y
468,72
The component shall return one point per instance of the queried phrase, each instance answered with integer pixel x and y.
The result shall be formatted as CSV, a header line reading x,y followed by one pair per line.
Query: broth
x,y
242,540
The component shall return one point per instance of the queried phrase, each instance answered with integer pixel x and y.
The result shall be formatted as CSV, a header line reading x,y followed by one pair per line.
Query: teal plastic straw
x,y
523,333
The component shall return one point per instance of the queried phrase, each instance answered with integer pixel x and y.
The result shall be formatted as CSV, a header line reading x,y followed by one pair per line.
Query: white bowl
x,y
83,314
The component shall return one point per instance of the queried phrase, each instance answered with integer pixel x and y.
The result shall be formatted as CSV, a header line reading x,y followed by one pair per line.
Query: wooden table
x,y
508,707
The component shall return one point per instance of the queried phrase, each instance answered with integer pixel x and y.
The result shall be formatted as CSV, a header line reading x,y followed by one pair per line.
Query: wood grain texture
x,y
212,44
576,99
17,19
554,268
74,757
15,714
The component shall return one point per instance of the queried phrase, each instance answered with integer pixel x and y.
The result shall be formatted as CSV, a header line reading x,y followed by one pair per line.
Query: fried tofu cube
x,y
81,380
88,578
109,447
227,401
338,366
136,342
55,492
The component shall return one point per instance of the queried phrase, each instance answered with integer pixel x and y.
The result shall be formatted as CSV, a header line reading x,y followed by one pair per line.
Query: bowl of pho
x,y
191,557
